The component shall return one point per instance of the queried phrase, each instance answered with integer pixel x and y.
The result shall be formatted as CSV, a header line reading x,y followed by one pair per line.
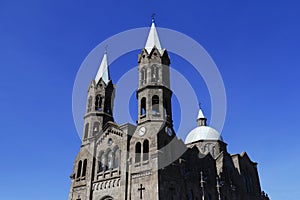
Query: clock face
x,y
142,131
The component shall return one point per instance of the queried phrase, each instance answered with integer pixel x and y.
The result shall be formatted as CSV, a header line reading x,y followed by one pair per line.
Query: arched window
x,y
155,105
86,131
117,157
146,150
101,163
143,76
154,73
143,106
79,166
107,106
90,101
96,127
84,167
98,103
138,152
110,160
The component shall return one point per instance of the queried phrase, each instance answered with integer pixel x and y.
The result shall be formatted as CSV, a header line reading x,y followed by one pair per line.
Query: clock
x,y
169,131
142,131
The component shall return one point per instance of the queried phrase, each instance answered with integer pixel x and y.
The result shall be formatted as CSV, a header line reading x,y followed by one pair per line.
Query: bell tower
x,y
99,107
154,94
148,144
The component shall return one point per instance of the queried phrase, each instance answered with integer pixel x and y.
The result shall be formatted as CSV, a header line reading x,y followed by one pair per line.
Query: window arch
x,y
96,127
101,162
107,198
108,106
79,166
143,106
146,150
98,103
84,167
143,76
86,131
90,102
155,105
154,73
110,160
117,159
137,152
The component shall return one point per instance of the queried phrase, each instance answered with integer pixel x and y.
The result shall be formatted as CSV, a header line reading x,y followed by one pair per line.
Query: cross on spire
x,y
152,17
140,189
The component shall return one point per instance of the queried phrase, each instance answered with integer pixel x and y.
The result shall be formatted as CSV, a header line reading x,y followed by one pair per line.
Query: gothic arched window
x,y
117,157
146,150
96,127
137,152
143,106
90,102
155,105
154,73
79,166
84,167
143,76
110,160
86,131
101,163
107,106
98,103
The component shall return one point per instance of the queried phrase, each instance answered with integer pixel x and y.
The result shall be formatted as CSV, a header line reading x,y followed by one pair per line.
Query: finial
x,y
199,105
152,17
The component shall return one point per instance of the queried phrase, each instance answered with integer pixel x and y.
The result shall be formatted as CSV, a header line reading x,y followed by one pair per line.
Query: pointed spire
x,y
153,39
103,71
200,114
201,119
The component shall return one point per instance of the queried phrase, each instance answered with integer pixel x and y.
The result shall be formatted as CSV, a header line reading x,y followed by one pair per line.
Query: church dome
x,y
203,133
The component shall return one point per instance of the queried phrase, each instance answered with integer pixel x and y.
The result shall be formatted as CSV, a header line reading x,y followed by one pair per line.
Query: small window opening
x,y
84,167
79,169
138,152
145,150
155,105
98,103
86,131
143,106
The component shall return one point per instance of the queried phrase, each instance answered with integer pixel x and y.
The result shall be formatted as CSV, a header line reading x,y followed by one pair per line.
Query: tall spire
x,y
153,39
103,71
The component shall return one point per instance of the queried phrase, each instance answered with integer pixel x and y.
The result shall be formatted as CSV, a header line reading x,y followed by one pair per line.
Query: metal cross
x,y
200,105
152,16
141,191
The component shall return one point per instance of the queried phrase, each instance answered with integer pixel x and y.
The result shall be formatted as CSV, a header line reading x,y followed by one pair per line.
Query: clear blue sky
x,y
255,45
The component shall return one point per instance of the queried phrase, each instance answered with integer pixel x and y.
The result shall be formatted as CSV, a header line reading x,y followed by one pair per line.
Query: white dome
x,y
203,133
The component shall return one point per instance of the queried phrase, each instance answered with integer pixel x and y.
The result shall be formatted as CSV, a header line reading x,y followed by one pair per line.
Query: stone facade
x,y
128,162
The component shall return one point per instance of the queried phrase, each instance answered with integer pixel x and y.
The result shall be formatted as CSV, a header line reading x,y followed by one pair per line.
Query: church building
x,y
147,160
